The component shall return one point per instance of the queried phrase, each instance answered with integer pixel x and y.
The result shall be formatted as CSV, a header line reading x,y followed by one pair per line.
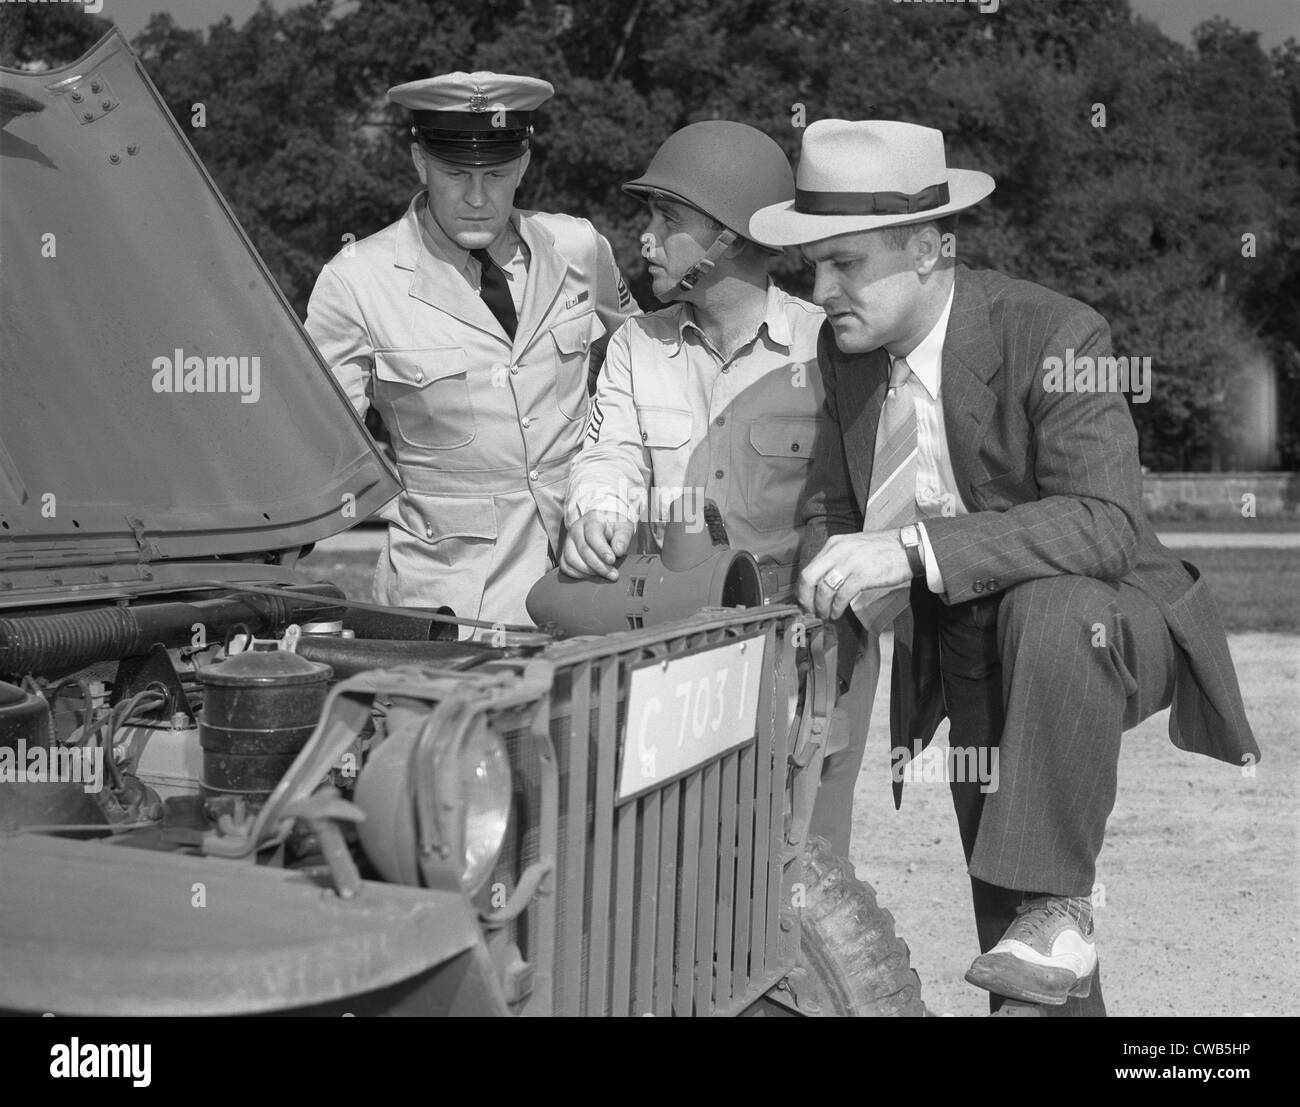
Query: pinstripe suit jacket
x,y
1052,484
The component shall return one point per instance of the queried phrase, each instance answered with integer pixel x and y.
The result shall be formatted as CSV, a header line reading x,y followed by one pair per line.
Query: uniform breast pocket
x,y
423,396
570,348
665,428
777,482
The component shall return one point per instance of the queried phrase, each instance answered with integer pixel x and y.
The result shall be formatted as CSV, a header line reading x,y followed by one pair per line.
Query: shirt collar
x,y
774,319
926,360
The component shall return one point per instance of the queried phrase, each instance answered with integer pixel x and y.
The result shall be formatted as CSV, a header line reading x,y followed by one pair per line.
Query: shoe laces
x,y
1037,916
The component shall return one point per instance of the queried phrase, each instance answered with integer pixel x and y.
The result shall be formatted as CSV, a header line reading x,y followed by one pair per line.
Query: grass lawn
x,y
1256,589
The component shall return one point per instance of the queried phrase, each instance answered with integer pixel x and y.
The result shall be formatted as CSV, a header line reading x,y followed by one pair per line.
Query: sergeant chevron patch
x,y
594,421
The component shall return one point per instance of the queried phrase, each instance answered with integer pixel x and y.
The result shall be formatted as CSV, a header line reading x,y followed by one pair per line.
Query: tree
x,y
1128,167
47,36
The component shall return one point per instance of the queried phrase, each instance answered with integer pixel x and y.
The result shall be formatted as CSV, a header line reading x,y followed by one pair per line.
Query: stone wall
x,y
1220,495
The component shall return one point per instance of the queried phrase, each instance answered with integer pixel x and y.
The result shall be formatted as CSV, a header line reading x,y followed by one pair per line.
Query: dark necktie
x,y
495,290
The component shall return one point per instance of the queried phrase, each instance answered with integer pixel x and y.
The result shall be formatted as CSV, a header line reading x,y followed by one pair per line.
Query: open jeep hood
x,y
118,259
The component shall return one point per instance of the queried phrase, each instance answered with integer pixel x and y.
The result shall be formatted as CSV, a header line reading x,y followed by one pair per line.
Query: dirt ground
x,y
1200,871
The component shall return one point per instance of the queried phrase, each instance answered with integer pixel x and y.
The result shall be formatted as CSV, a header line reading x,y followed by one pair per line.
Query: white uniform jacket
x,y
483,428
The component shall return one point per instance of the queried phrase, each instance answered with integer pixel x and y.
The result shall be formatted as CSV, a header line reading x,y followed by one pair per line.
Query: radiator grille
x,y
667,903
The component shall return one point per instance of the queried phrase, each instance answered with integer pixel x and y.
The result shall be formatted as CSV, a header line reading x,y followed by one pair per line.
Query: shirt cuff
x,y
933,577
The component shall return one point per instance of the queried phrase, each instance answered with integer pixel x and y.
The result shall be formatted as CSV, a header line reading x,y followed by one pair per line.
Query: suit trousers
x,y
1045,678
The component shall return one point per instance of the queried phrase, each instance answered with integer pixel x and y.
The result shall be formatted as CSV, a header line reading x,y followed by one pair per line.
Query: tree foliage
x,y
1143,217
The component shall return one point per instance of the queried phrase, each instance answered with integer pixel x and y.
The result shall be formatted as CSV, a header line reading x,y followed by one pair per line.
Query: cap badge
x,y
479,101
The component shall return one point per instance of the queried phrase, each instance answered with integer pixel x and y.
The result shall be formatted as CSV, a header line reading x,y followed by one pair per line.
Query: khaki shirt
x,y
483,428
672,418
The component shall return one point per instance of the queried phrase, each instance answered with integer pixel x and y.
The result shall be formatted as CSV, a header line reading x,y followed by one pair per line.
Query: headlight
x,y
441,787
486,788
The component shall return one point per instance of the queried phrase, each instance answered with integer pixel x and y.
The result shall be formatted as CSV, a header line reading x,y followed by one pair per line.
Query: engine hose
x,y
70,640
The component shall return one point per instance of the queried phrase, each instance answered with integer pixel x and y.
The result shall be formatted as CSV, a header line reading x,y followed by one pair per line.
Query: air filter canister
x,y
259,709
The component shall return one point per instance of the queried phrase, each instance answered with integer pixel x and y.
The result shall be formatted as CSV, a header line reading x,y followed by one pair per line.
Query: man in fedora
x,y
471,327
995,522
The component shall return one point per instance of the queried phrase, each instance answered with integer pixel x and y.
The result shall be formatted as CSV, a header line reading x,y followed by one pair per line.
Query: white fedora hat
x,y
864,175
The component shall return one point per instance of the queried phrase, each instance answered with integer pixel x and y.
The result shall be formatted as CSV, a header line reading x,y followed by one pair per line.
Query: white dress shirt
x,y
936,486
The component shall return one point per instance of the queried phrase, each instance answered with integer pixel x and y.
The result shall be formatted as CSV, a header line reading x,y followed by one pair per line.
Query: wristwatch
x,y
910,536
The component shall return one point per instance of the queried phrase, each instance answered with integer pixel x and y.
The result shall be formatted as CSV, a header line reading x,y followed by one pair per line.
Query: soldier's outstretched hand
x,y
594,543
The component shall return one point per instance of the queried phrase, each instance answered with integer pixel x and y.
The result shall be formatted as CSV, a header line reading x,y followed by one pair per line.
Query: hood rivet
x,y
115,158
77,97
133,149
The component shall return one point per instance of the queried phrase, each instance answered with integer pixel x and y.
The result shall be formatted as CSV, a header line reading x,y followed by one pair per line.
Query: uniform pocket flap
x,y
419,367
785,436
434,518
574,336
665,427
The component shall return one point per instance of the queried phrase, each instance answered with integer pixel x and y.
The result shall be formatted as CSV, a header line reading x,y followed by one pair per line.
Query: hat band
x,y
811,202
479,138
487,121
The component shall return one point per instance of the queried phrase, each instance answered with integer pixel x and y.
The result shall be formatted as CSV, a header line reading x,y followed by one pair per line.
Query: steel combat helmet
x,y
725,169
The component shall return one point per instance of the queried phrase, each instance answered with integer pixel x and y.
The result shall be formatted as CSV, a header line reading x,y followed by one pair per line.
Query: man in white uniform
x,y
471,327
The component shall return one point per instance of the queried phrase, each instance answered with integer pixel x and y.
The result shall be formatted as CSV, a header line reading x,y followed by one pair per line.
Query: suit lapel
x,y
970,359
546,272
438,283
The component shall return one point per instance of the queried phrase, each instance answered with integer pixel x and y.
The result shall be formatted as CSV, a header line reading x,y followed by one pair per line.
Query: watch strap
x,y
915,559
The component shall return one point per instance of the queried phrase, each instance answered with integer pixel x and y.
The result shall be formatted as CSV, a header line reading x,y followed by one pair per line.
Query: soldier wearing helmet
x,y
717,396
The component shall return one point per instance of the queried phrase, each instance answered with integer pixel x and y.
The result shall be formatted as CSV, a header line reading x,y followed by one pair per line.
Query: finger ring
x,y
833,580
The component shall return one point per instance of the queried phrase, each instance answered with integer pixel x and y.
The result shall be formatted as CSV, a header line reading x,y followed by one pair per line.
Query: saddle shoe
x,y
1046,956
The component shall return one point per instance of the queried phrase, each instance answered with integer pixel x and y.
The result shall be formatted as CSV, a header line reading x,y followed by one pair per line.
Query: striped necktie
x,y
891,501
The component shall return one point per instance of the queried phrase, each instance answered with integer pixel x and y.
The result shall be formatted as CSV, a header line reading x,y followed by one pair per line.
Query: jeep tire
x,y
850,960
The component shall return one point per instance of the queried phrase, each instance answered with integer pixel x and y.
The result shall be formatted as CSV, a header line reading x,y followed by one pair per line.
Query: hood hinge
x,y
146,551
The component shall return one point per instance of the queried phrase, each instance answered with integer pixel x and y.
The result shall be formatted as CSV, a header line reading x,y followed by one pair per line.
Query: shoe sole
x,y
994,982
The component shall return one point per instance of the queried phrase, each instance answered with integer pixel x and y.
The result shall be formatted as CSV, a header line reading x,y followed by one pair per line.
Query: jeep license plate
x,y
688,710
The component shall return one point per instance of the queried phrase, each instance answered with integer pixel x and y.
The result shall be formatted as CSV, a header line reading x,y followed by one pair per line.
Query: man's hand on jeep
x,y
847,564
594,543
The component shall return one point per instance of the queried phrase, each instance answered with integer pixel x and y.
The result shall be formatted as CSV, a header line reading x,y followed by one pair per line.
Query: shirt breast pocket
x,y
571,347
664,428
777,482
423,396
